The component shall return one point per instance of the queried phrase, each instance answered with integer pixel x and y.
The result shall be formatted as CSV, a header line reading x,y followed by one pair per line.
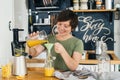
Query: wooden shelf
x,y
48,11
95,10
41,24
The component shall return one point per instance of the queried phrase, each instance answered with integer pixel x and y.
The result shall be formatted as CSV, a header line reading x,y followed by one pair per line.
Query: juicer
x,y
18,53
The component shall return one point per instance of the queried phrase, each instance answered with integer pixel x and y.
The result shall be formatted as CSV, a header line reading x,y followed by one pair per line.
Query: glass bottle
x,y
49,63
104,63
49,67
98,47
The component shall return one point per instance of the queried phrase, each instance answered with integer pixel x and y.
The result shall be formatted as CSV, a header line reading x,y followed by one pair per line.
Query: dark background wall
x,y
92,25
95,26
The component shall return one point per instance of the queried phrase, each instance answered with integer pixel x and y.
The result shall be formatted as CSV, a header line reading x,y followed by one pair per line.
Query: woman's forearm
x,y
36,50
70,61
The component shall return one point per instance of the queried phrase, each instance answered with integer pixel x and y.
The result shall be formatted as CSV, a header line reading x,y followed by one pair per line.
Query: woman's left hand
x,y
59,48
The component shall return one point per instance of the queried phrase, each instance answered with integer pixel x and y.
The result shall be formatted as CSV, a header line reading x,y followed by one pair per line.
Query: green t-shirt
x,y
71,45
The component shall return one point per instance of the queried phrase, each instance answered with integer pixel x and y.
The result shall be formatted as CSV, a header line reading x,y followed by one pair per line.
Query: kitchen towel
x,y
69,75
76,75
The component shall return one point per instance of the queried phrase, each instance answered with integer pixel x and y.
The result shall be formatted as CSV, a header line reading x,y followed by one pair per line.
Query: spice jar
x,y
76,4
98,4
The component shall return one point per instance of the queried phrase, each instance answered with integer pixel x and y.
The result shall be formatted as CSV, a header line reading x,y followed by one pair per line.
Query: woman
x,y
67,48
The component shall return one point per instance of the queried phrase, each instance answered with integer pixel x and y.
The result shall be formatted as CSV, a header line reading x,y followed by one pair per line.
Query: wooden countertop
x,y
37,74
91,61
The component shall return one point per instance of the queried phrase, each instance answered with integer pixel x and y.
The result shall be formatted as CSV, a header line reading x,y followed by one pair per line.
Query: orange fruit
x,y
20,77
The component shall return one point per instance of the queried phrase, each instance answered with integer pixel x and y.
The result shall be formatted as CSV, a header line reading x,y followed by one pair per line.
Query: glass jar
x,y
104,64
98,4
49,68
49,62
76,4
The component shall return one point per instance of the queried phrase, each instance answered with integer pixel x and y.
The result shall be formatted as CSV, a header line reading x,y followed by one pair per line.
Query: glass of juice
x,y
41,38
6,70
49,71
49,68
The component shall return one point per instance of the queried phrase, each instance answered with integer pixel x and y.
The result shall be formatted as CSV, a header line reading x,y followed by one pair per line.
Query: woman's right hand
x,y
37,49
33,35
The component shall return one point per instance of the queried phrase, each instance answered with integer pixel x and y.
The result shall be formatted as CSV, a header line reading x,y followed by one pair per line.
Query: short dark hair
x,y
66,15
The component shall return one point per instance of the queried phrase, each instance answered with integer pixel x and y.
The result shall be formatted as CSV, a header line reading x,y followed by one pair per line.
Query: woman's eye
x,y
66,26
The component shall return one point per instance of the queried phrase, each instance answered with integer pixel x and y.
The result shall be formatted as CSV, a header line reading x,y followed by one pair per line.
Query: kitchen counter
x,y
83,62
38,74
33,74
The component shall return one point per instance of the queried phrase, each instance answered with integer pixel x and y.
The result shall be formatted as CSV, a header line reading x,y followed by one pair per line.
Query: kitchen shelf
x,y
95,10
48,11
92,10
40,24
